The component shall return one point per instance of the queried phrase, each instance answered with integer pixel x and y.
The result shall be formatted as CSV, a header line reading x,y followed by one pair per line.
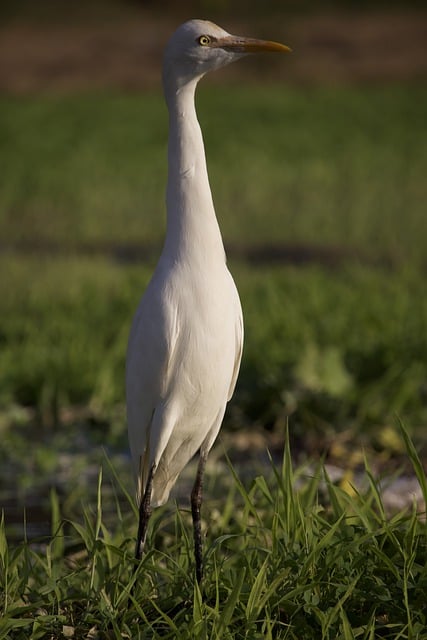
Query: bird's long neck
x,y
192,228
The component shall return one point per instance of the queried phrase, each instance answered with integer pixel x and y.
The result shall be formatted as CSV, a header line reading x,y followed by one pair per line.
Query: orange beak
x,y
249,45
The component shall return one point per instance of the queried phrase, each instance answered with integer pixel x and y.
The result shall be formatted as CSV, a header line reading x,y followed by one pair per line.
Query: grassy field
x,y
330,167
336,346
82,194
292,556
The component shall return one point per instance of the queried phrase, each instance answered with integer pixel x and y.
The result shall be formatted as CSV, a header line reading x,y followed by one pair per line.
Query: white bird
x,y
186,340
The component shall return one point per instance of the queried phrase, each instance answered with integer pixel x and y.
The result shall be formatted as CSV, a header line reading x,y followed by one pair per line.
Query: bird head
x,y
199,46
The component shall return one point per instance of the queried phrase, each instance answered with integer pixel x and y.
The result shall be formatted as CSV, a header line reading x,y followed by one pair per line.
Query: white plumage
x,y
186,340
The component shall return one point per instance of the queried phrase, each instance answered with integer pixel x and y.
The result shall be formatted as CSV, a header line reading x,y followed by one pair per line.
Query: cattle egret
x,y
186,340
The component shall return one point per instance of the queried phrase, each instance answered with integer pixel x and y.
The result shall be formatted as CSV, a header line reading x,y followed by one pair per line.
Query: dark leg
x,y
196,502
144,516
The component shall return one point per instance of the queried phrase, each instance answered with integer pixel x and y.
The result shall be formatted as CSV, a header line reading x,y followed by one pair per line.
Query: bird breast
x,y
205,312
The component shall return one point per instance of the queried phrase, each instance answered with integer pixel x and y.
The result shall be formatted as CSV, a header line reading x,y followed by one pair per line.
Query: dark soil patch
x,y
331,47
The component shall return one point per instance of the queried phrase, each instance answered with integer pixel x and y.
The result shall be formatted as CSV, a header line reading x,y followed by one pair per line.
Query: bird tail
x,y
161,485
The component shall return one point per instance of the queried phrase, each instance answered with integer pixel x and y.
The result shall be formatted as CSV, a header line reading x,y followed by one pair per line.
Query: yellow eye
x,y
204,41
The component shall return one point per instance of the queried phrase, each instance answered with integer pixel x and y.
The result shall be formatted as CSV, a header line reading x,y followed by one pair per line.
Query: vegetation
x,y
336,345
89,171
341,342
345,349
290,556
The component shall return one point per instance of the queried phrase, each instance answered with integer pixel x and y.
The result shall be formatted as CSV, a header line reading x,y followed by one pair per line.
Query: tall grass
x,y
291,555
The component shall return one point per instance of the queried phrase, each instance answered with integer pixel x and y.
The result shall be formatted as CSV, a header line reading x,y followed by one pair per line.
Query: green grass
x,y
332,350
324,167
291,555
330,167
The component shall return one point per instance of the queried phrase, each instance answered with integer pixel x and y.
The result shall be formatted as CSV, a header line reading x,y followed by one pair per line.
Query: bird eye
x,y
204,41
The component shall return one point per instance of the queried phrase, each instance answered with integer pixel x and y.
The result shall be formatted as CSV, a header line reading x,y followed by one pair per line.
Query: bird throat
x,y
192,226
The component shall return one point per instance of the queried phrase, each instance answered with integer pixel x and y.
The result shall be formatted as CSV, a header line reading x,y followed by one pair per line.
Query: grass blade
x,y
416,462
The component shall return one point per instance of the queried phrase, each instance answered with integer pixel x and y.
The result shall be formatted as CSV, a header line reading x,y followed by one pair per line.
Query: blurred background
x,y
317,163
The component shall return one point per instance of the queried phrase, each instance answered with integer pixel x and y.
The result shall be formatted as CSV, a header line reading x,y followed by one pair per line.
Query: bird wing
x,y
239,342
150,352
